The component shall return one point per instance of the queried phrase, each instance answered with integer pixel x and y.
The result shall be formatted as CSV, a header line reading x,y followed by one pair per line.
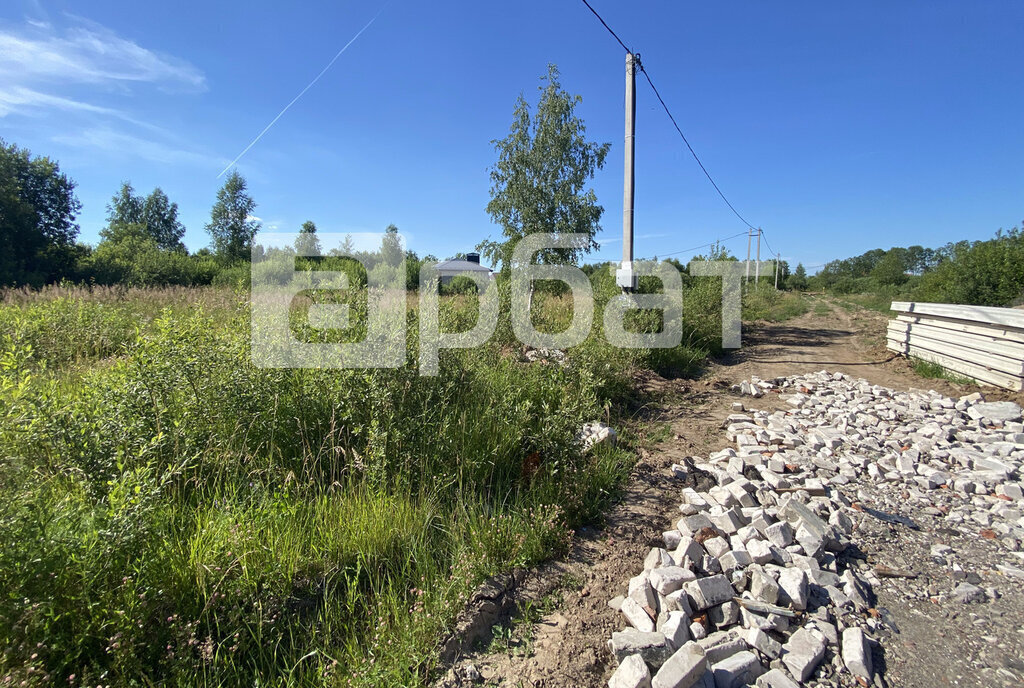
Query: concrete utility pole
x,y
749,236
625,277
776,271
757,265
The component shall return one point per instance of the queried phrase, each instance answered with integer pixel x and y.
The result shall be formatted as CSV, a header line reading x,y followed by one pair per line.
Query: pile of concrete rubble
x,y
758,583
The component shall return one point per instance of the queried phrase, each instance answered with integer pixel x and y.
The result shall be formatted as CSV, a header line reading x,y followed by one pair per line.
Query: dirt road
x,y
561,642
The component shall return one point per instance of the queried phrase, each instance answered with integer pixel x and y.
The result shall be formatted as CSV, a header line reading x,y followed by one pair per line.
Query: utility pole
x,y
757,265
625,277
749,234
776,272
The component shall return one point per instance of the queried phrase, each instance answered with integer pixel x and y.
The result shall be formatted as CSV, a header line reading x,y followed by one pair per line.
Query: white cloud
x,y
88,54
113,142
20,98
85,75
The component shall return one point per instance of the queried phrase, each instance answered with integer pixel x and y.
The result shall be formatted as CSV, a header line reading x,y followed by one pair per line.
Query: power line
x,y
697,248
668,112
670,116
605,25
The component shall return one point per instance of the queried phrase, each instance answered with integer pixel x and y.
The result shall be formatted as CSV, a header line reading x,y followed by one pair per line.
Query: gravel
x,y
763,578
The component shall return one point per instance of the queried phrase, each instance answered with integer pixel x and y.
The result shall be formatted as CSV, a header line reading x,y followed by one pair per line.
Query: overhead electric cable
x,y
661,100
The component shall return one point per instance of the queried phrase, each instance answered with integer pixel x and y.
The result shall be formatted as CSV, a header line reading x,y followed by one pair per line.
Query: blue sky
x,y
836,127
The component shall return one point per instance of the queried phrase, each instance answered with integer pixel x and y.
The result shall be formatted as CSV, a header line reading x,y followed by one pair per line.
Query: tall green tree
x,y
307,243
539,181
798,280
891,269
160,216
38,208
231,225
155,215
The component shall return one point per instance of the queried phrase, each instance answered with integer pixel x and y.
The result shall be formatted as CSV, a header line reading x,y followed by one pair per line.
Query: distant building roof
x,y
461,266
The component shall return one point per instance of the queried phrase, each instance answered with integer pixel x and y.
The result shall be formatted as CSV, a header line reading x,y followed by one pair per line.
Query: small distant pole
x,y
749,235
776,272
757,265
624,276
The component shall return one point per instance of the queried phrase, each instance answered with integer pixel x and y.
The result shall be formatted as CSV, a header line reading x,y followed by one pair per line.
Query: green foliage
x,y
763,302
307,243
460,284
932,371
890,270
155,216
132,257
538,182
798,280
231,226
38,208
717,252
173,512
983,273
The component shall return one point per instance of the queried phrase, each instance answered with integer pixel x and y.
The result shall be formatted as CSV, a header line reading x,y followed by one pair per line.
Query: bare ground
x,y
558,637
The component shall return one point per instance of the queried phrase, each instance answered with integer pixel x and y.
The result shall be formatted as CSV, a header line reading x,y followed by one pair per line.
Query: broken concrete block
x,y
780,534
636,615
707,592
653,647
641,592
740,669
683,669
734,560
716,546
668,579
775,679
725,614
763,587
763,643
676,629
632,673
803,653
857,652
793,588
760,551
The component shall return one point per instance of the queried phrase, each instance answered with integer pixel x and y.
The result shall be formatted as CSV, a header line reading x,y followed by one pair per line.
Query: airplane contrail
x,y
301,93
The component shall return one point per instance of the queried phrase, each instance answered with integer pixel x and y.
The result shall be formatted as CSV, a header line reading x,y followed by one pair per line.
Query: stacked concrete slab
x,y
983,343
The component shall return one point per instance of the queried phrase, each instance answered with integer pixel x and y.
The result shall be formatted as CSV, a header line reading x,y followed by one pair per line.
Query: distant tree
x,y
38,208
538,182
391,249
307,243
798,280
231,225
891,269
347,247
716,252
983,273
124,210
160,216
155,214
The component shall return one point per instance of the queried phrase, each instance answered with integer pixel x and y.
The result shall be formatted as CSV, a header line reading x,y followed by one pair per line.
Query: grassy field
x,y
173,515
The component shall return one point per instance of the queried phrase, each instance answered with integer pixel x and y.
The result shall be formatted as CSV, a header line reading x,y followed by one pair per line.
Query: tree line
x,y
141,242
985,273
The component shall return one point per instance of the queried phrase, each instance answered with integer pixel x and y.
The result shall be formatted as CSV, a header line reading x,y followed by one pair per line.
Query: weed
x,y
931,370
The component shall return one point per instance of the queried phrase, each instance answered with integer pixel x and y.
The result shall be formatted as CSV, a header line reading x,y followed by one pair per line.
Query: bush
x,y
982,273
460,284
136,260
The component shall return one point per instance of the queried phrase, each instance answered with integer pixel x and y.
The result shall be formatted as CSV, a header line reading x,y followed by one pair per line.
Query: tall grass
x,y
761,302
171,514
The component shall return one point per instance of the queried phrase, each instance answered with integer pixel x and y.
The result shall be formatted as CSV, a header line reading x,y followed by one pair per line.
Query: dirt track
x,y
934,645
